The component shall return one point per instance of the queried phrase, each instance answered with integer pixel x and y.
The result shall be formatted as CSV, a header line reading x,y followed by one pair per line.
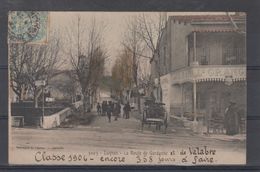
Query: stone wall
x,y
56,119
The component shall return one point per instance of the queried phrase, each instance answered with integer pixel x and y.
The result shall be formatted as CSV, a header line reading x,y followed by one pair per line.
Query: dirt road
x,y
123,134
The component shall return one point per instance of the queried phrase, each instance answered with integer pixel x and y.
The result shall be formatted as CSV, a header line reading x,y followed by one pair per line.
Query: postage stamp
x,y
28,26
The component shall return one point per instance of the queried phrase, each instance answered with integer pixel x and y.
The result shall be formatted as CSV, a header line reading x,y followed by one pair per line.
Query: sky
x,y
115,24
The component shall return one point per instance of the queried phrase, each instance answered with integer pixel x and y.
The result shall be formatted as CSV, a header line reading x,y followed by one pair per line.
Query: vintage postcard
x,y
127,88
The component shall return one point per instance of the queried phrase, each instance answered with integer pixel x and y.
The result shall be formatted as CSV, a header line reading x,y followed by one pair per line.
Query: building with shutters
x,y
202,67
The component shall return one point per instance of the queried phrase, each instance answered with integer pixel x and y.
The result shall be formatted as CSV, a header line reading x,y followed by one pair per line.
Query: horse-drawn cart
x,y
154,114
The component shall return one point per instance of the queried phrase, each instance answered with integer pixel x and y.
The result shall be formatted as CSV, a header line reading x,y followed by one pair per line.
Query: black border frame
x,y
251,7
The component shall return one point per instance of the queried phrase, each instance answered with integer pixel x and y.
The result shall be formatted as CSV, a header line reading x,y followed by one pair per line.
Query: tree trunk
x,y
84,104
35,99
20,99
139,102
88,102
23,94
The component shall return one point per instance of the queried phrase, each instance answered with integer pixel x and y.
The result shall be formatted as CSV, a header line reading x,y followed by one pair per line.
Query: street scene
x,y
127,88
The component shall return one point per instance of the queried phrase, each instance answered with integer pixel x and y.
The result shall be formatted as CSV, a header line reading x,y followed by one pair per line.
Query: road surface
x,y
120,135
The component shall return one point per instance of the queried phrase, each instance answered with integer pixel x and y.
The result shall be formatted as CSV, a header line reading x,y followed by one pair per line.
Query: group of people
x,y
110,108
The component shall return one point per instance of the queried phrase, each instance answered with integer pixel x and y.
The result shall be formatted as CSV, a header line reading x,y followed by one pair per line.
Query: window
x,y
205,55
234,51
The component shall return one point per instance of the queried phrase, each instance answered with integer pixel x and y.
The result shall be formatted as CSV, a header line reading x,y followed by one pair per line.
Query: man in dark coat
x,y
231,119
104,106
98,109
109,110
117,109
127,109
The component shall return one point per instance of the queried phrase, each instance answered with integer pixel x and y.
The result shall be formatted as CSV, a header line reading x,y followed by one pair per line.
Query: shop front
x,y
202,95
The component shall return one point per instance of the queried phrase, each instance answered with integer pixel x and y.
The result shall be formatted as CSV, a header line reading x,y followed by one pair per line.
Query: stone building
x,y
202,64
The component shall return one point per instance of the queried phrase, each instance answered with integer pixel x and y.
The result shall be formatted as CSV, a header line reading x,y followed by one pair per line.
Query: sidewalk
x,y
223,137
199,130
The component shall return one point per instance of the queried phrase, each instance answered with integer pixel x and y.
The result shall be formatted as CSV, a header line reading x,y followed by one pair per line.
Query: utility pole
x,y
41,83
43,105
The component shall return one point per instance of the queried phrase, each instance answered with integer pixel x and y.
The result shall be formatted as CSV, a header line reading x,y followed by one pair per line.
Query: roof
x,y
203,30
213,22
207,18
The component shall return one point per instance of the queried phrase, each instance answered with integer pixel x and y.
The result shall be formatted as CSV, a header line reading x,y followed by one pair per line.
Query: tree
x,y
31,62
96,71
150,29
42,60
18,63
144,33
122,73
87,57
145,79
134,45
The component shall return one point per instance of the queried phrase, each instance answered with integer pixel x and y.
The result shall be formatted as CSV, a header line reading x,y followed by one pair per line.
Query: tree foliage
x,y
32,62
122,72
87,57
142,39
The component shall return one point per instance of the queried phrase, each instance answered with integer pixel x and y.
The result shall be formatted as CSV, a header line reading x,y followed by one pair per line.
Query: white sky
x,y
115,26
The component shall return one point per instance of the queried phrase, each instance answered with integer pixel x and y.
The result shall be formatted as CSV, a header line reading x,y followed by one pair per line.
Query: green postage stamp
x,y
28,26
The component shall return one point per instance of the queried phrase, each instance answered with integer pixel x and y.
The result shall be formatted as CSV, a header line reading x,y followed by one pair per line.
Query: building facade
x,y
202,64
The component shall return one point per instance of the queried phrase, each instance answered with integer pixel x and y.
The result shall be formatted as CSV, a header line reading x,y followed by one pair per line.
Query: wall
x,y
56,119
165,50
166,91
179,42
173,47
30,114
176,100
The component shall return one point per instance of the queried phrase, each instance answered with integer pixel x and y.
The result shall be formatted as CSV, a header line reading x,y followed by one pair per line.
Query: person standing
x,y
231,119
109,110
124,109
98,109
127,110
104,106
122,114
117,110
114,111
